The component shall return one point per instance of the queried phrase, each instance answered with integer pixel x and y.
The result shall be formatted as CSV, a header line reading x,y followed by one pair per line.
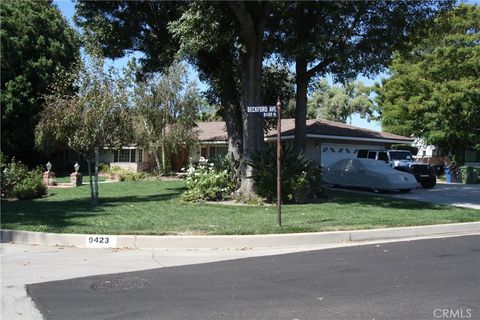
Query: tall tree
x,y
165,108
96,117
213,50
134,32
37,43
434,89
251,19
339,103
342,39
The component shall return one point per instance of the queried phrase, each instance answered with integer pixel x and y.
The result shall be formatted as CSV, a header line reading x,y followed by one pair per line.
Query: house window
x,y
140,155
124,155
203,152
222,151
213,152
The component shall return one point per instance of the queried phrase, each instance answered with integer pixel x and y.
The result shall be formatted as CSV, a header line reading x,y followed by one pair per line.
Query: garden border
x,y
242,241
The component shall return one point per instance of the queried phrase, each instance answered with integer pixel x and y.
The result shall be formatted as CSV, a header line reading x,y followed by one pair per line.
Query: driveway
x,y
454,194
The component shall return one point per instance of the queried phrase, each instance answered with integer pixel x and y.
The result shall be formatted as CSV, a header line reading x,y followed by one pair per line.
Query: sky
x,y
67,8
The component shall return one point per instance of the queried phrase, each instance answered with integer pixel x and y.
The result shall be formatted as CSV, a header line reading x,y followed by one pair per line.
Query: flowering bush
x,y
206,182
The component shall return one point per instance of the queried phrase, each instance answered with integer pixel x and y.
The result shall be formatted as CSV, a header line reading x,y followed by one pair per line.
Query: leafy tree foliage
x,y
95,118
342,39
37,43
122,27
339,103
166,108
434,89
213,49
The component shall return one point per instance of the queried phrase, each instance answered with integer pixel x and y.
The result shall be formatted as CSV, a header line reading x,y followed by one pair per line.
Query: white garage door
x,y
332,152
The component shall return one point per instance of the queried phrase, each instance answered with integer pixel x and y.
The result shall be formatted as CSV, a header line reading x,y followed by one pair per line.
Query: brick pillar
x,y
49,178
76,179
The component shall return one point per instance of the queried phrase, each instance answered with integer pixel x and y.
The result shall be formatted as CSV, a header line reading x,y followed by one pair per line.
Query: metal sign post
x,y
279,152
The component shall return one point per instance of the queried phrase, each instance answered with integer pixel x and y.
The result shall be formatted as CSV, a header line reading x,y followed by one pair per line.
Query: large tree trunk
x,y
302,80
252,123
232,115
251,18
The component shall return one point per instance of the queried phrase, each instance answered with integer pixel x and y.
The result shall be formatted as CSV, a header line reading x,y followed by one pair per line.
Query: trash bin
x,y
475,174
448,174
467,175
457,175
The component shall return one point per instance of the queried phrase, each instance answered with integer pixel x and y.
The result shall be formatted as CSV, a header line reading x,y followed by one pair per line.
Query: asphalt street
x,y
419,279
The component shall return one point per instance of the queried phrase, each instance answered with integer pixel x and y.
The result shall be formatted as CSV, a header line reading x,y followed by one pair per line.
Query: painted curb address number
x,y
100,241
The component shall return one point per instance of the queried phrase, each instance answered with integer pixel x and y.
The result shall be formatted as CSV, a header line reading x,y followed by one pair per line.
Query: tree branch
x,y
245,21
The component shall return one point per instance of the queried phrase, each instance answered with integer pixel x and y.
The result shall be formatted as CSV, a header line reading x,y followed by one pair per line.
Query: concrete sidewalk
x,y
26,264
235,242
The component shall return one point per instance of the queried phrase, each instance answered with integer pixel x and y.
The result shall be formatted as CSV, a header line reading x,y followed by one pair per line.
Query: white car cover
x,y
368,173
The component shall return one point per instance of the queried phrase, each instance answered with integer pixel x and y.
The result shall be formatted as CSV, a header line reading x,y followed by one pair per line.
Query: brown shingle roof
x,y
212,131
215,131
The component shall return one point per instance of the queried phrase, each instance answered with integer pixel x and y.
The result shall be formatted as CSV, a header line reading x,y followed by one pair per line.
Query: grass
x,y
154,208
66,179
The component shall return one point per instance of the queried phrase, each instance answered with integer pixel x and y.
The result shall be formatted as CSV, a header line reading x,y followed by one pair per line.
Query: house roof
x,y
319,128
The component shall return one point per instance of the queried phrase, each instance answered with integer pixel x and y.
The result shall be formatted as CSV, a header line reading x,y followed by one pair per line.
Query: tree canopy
x,y
434,89
37,44
94,118
165,108
341,38
339,103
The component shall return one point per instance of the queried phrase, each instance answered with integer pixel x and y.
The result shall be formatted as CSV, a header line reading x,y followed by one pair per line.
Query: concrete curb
x,y
250,241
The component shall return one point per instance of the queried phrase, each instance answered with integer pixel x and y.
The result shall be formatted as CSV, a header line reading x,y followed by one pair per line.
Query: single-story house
x,y
327,141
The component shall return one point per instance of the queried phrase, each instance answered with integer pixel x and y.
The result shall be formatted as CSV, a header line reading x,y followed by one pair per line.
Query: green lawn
x,y
66,179
148,207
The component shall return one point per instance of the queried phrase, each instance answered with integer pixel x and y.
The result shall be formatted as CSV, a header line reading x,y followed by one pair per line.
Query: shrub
x,y
132,176
205,182
104,168
229,164
301,178
125,175
18,182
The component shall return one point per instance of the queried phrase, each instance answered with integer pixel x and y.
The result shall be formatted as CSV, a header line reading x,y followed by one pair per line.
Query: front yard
x,y
155,208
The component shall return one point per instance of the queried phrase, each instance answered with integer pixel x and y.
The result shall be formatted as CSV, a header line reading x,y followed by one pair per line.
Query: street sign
x,y
264,111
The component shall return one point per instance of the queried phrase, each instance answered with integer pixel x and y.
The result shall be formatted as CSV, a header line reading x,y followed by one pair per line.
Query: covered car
x,y
368,173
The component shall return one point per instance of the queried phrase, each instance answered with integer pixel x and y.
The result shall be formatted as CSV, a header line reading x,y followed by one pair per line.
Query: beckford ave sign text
x,y
265,111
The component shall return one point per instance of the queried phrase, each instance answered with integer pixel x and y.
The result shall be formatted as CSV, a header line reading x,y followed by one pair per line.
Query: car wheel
x,y
430,183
